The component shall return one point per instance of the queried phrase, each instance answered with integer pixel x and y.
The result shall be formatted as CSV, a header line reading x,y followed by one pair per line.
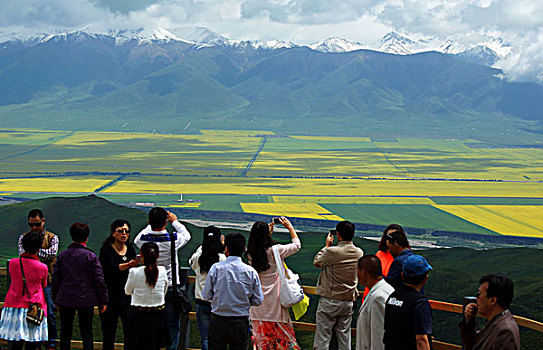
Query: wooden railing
x,y
311,327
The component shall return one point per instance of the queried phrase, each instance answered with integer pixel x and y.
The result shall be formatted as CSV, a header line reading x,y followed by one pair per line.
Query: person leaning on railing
x,y
13,325
272,328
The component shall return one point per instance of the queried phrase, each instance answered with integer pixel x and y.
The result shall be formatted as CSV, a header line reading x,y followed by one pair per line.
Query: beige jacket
x,y
338,278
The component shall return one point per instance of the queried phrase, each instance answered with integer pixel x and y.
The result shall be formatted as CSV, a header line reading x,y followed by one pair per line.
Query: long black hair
x,y
211,247
149,252
383,243
114,225
259,241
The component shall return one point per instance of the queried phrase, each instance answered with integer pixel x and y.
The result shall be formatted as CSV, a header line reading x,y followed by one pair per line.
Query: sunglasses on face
x,y
122,230
35,224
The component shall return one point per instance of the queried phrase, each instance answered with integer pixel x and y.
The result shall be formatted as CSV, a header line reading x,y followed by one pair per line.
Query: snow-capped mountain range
x,y
486,52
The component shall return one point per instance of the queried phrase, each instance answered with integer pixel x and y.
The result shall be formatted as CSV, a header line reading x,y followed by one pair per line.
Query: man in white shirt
x,y
370,326
156,232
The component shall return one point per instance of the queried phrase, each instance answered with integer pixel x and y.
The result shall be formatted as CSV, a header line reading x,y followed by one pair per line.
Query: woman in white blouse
x,y
147,285
210,252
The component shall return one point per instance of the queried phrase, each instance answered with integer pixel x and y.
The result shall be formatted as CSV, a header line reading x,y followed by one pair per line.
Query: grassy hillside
x,y
94,84
60,213
456,271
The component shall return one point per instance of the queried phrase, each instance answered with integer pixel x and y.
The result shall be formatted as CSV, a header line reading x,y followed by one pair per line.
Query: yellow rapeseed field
x,y
216,138
353,200
326,187
29,137
185,205
514,220
310,211
332,138
324,162
453,159
236,133
54,184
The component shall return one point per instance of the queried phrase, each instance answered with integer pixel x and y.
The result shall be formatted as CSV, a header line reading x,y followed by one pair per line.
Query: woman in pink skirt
x,y
272,328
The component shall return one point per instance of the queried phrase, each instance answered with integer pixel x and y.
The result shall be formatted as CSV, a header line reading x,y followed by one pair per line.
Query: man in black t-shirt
x,y
408,316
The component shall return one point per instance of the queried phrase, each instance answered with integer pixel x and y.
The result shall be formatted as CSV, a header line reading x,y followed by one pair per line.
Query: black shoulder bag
x,y
34,314
180,298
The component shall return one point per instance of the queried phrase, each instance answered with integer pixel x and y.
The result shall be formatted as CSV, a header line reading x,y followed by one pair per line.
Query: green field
x,y
432,184
422,216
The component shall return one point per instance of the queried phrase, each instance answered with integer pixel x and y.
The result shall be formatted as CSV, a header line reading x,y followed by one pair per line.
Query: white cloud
x,y
306,11
520,22
525,63
40,15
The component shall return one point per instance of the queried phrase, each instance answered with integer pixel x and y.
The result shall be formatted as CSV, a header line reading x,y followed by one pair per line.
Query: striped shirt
x,y
45,254
162,239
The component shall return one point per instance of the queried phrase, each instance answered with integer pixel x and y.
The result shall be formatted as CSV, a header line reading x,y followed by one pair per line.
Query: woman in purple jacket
x,y
78,285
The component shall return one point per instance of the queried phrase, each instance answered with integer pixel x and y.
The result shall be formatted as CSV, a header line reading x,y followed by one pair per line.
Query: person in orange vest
x,y
383,253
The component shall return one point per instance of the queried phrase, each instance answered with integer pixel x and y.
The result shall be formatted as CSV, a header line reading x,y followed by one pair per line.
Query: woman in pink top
x,y
13,325
272,328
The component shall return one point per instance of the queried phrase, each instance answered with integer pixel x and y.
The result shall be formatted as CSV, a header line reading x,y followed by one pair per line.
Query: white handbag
x,y
291,292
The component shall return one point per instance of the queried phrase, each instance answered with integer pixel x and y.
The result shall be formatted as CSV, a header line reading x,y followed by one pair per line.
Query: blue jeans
x,y
203,317
51,318
177,322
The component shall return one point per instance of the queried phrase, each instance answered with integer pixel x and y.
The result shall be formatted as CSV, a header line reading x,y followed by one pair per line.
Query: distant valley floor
x,y
426,184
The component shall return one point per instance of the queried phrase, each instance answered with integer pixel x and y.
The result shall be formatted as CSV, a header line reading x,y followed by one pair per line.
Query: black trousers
x,y
84,315
228,331
19,345
109,320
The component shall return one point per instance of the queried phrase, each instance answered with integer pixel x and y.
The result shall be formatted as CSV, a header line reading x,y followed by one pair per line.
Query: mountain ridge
x,y
86,81
391,42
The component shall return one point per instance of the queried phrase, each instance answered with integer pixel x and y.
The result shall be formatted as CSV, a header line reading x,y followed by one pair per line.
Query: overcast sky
x,y
519,22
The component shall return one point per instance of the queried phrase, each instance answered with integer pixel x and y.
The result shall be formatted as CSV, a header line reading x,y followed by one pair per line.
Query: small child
x,y
232,287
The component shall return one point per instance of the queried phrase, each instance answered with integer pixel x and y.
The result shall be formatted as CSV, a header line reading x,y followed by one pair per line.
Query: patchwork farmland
x,y
455,185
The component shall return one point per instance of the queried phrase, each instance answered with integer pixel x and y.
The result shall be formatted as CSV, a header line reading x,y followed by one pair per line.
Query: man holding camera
x,y
156,232
501,330
336,287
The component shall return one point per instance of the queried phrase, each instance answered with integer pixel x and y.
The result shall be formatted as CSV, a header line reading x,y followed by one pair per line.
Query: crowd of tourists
x,y
237,303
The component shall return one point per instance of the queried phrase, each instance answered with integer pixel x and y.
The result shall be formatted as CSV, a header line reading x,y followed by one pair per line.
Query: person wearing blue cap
x,y
408,315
